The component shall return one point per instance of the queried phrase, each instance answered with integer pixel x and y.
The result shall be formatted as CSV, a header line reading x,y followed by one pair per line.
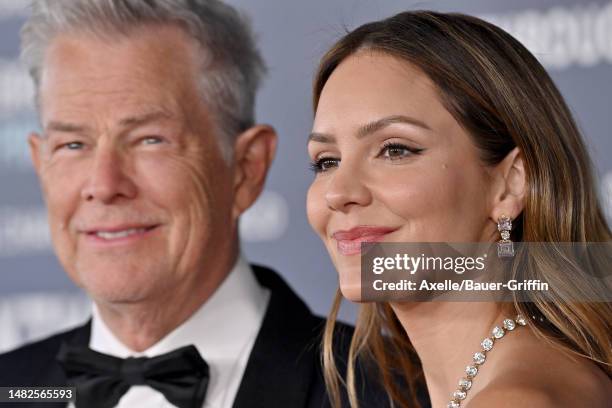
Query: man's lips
x,y
349,242
117,233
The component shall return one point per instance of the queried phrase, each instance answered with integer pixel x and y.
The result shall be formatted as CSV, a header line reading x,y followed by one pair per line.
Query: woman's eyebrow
x,y
371,127
382,123
321,137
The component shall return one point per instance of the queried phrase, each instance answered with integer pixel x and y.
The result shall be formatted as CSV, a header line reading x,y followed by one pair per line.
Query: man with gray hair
x,y
148,155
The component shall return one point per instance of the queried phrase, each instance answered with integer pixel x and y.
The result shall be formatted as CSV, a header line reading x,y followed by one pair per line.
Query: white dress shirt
x,y
223,330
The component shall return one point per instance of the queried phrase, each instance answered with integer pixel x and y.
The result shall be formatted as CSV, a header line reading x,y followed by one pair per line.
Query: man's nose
x,y
346,189
108,181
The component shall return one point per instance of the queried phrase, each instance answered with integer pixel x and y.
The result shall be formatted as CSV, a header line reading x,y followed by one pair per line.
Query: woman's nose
x,y
346,189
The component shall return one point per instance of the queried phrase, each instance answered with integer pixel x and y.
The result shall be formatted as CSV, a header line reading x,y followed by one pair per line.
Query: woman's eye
x,y
324,164
396,151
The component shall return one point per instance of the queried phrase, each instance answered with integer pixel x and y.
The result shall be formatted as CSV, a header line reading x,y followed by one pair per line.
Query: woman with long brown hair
x,y
433,127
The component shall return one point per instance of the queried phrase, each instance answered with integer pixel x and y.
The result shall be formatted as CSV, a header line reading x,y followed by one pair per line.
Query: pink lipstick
x,y
349,241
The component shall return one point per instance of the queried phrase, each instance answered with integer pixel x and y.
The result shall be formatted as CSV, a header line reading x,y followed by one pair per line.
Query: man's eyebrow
x,y
370,128
59,126
130,121
137,120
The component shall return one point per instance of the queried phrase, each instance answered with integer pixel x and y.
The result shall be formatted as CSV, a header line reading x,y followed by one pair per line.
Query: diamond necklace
x,y
479,358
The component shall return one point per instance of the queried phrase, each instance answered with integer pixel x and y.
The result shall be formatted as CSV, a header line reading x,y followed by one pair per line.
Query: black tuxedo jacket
x,y
283,371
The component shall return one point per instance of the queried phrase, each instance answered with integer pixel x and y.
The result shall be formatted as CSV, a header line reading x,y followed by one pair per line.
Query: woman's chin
x,y
351,292
350,285
349,278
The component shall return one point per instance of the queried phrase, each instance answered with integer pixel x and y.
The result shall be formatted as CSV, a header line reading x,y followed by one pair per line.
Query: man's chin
x,y
114,294
119,286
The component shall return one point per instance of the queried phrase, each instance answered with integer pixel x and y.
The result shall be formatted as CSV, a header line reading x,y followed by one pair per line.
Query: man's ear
x,y
35,143
509,186
254,151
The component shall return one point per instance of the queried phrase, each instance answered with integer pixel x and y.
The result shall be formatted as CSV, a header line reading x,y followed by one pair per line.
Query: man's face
x,y
139,197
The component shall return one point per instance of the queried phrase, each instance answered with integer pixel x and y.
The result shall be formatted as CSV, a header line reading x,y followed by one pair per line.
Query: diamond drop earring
x,y
505,247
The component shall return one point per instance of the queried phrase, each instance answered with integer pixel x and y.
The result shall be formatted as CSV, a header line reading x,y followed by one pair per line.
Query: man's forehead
x,y
166,54
112,105
128,82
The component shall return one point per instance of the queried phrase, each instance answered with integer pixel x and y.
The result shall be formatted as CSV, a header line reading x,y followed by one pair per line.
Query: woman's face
x,y
391,164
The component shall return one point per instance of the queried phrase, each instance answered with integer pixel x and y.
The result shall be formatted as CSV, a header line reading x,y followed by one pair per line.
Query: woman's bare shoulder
x,y
533,396
550,379
513,396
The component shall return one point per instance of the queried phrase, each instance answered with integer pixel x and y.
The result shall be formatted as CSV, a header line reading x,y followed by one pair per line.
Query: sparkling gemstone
x,y
453,404
479,358
509,324
505,249
520,319
498,332
465,384
459,395
487,344
504,224
505,235
471,371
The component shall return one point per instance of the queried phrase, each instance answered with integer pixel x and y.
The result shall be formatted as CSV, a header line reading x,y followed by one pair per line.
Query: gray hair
x,y
232,70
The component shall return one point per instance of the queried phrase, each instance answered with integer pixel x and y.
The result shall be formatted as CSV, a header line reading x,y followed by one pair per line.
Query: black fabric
x,y
283,371
101,380
35,364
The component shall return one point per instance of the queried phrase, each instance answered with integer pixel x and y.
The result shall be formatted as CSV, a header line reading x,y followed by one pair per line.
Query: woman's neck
x,y
446,335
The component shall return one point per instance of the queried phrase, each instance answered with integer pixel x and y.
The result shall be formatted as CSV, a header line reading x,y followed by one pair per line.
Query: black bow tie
x,y
101,380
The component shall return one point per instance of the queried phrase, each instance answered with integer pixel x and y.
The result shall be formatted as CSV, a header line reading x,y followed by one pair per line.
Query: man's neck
x,y
140,325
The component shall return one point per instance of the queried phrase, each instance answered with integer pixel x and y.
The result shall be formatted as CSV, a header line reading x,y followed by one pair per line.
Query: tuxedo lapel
x,y
284,358
79,337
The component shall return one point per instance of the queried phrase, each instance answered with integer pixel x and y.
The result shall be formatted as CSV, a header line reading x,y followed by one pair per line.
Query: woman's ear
x,y
509,187
254,152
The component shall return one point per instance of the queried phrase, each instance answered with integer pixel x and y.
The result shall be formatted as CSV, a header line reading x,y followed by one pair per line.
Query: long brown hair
x,y
496,89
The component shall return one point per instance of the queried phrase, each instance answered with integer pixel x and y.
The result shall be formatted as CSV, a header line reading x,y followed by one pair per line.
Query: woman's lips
x,y
349,242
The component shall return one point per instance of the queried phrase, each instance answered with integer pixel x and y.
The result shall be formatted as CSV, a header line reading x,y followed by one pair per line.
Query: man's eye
x,y
396,151
72,146
324,164
149,140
